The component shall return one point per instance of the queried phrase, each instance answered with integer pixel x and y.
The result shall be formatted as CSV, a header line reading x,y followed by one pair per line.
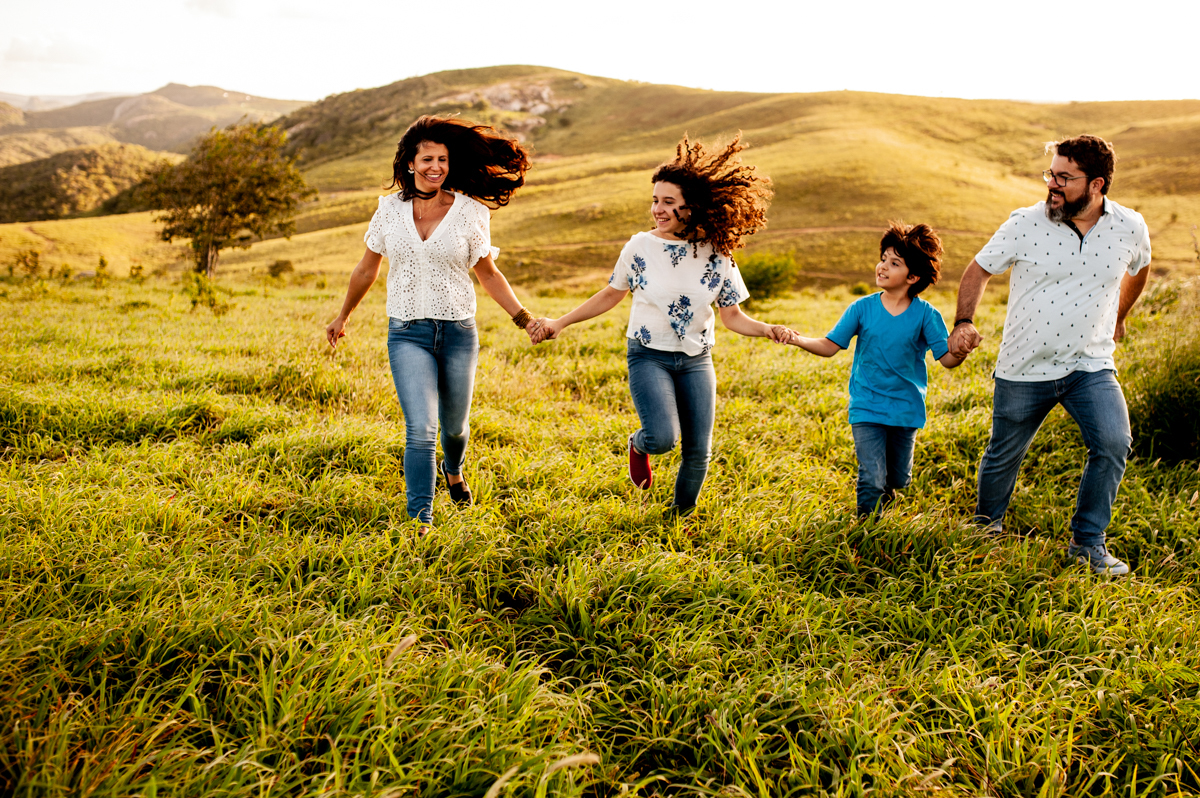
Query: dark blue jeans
x,y
885,456
433,366
1094,399
676,399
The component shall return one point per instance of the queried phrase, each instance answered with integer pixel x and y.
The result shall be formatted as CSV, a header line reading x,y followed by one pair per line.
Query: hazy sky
x,y
307,49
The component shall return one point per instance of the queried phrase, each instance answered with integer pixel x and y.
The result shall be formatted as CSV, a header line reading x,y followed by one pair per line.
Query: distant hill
x,y
72,182
843,163
46,102
168,119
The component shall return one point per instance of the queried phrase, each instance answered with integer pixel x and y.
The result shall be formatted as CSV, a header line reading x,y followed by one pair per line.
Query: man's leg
x,y
1018,410
1096,402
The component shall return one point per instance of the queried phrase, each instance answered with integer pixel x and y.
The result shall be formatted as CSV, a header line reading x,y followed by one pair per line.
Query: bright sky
x,y
307,49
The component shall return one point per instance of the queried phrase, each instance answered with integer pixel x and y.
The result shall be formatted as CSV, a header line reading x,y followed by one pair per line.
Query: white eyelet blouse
x,y
431,279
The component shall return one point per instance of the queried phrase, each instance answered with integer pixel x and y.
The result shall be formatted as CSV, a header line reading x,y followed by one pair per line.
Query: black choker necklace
x,y
425,195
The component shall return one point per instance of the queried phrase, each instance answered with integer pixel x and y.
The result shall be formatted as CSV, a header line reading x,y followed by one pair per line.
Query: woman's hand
x,y
334,330
532,327
781,334
548,329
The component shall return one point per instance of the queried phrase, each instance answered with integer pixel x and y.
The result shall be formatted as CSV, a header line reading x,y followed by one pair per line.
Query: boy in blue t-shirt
x,y
888,378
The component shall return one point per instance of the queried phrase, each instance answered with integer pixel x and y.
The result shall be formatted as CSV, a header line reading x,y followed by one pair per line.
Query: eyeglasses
x,y
1060,180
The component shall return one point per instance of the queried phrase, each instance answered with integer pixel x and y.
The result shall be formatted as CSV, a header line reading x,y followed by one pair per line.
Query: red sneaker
x,y
639,467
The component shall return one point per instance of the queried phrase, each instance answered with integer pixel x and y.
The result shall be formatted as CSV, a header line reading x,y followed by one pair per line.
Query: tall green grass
x,y
208,584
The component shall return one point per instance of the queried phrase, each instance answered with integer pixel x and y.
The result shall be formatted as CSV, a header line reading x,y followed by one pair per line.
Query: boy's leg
x,y
696,400
900,444
1097,404
870,447
1018,409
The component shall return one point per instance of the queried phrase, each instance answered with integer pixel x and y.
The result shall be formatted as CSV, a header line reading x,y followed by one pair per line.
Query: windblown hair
x,y
728,201
921,249
1095,156
484,164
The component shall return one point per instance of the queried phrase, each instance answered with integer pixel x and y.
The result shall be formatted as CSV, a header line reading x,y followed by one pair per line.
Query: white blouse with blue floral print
x,y
674,286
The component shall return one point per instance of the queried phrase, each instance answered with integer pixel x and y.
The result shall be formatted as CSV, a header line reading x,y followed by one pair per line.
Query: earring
x,y
411,171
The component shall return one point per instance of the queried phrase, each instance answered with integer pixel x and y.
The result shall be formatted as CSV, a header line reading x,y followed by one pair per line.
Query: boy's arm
x,y
951,360
818,346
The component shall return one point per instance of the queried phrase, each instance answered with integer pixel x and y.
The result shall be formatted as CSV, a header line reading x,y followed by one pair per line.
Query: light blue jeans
x,y
676,399
1094,399
885,458
433,366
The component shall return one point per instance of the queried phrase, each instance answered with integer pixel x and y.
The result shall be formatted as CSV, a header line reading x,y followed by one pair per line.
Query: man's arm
x,y
1131,289
964,337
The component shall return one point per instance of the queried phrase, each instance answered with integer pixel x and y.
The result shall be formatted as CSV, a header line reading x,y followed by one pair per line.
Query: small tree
x,y
235,185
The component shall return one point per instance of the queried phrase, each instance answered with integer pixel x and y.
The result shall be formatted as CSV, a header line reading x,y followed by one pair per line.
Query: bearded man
x,y
1079,263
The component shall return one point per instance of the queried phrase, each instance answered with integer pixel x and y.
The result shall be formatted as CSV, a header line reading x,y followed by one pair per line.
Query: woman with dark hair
x,y
433,232
704,203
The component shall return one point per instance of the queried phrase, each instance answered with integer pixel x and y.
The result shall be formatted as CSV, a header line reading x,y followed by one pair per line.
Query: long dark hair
x,y
484,164
728,200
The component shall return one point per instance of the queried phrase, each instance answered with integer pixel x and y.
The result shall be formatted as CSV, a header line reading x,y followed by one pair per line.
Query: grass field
x,y
208,585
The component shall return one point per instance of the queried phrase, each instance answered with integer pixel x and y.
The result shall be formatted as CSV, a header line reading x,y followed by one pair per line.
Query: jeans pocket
x,y
398,325
467,324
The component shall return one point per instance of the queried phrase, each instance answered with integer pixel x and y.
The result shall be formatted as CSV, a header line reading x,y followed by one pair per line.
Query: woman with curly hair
x,y
434,231
704,202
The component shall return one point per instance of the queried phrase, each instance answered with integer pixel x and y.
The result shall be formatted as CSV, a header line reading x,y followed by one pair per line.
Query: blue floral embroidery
x,y
680,315
643,335
712,278
676,251
638,278
728,295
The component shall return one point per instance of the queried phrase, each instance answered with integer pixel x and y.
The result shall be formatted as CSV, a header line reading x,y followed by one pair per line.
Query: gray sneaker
x,y
1098,558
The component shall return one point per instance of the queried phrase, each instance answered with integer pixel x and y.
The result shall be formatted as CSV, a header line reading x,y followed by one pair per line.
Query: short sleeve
x,y
629,272
933,328
848,325
733,288
1000,252
1141,249
374,237
479,236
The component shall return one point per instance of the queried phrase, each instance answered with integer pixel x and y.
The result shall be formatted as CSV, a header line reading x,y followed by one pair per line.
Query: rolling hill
x,y
843,164
167,119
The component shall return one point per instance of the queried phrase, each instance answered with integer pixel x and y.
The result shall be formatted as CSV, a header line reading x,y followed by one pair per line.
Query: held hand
x,y
963,339
548,330
334,330
531,329
1119,332
781,334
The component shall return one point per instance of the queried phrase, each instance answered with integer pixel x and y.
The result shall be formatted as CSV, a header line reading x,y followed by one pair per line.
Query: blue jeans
x,y
433,366
885,457
1095,401
676,399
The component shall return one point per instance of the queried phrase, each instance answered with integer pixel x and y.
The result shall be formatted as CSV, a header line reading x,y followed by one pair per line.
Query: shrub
x,y
280,268
28,261
768,275
1163,384
860,289
203,293
101,272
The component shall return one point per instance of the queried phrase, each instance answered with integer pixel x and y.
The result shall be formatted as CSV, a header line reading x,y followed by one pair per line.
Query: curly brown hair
x,y
728,201
484,164
921,250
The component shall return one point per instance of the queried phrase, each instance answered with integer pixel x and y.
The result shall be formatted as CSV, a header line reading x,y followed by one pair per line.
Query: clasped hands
x,y
963,340
541,329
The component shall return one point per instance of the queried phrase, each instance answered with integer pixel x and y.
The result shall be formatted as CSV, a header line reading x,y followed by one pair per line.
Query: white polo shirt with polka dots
x,y
1064,290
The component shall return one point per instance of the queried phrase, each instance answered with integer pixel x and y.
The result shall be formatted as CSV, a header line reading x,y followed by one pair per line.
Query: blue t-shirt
x,y
888,377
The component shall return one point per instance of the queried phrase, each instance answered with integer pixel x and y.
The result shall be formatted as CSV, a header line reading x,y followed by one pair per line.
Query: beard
x,y
1068,210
